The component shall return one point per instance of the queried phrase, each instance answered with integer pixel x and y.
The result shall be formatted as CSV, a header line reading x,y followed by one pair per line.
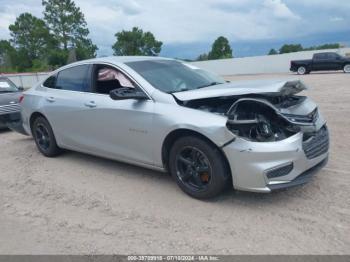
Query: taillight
x,y
20,100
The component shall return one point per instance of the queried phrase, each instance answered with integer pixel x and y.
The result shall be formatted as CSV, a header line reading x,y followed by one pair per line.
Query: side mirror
x,y
20,88
127,93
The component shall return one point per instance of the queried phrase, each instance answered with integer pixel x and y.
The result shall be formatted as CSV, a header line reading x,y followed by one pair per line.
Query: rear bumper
x,y
7,118
17,126
10,117
9,113
265,167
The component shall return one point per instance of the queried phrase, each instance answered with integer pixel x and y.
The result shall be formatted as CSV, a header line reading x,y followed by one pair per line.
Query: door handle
x,y
50,99
90,104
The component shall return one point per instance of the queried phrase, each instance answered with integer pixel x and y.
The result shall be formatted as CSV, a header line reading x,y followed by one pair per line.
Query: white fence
x,y
260,64
235,66
26,80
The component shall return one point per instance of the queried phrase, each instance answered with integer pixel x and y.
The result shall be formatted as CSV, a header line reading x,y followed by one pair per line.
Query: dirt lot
x,y
82,204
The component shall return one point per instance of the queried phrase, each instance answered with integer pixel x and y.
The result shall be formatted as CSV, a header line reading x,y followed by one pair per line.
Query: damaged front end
x,y
281,137
267,119
266,116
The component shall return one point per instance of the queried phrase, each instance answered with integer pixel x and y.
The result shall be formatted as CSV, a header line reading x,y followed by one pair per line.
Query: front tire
x,y
44,137
301,70
346,68
198,167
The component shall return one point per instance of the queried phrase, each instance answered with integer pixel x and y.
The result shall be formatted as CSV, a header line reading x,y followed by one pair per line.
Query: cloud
x,y
198,21
9,10
279,9
336,19
5,21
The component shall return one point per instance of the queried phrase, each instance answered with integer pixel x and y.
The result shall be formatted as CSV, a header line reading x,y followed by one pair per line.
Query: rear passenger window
x,y
50,82
73,79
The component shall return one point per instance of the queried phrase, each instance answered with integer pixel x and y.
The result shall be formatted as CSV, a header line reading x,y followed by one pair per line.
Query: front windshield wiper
x,y
177,91
210,84
187,89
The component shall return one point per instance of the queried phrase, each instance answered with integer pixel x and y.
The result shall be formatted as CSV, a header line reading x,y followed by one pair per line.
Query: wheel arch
x,y
176,134
34,116
303,65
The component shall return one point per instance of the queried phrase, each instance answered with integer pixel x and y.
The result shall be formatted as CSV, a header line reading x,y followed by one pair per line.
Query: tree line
x,y
291,48
44,44
62,37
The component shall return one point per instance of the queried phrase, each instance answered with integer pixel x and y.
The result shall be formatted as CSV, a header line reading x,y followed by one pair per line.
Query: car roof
x,y
114,60
121,59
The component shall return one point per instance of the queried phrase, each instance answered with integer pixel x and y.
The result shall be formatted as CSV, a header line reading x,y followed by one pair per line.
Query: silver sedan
x,y
167,115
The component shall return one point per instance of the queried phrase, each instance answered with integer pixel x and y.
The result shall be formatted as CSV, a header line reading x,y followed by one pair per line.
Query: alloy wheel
x,y
193,168
42,136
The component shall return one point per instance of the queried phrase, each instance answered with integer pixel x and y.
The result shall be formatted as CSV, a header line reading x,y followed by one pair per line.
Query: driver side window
x,y
108,78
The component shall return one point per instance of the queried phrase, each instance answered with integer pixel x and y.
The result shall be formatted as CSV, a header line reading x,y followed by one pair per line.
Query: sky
x,y
187,28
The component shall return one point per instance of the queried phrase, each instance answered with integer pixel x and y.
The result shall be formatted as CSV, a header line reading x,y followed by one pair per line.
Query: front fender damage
x,y
265,116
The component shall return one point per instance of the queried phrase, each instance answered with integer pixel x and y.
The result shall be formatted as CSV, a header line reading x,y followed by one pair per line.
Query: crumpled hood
x,y
238,88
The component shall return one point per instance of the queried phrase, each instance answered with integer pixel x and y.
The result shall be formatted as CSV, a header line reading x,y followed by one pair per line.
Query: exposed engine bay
x,y
261,117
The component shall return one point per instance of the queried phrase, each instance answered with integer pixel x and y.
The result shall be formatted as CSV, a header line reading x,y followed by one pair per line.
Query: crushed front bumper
x,y
264,167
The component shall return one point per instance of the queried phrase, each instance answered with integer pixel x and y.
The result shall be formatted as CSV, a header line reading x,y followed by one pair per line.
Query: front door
x,y
118,129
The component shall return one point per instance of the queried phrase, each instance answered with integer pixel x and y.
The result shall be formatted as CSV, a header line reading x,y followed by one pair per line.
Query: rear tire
x,y
302,70
346,68
44,137
198,167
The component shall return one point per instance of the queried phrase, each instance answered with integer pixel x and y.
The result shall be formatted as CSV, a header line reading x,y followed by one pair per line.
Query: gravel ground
x,y
78,204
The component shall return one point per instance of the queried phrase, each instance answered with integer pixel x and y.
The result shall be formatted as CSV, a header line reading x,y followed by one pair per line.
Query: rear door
x,y
65,102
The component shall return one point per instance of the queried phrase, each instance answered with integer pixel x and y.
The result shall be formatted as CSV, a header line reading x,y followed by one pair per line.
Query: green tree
x,y
221,49
324,46
7,56
69,27
202,57
57,57
273,52
136,42
30,36
291,48
6,51
31,41
85,49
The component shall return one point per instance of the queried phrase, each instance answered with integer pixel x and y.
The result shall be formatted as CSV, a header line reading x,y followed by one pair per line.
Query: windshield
x,y
172,76
7,86
210,76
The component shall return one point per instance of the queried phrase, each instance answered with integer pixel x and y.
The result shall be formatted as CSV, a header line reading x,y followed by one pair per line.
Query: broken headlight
x,y
259,122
